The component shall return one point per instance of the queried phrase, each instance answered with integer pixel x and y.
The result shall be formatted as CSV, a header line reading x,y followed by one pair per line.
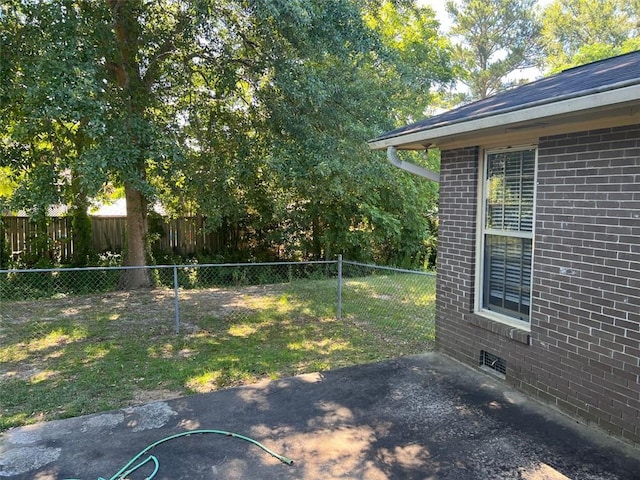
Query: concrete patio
x,y
420,417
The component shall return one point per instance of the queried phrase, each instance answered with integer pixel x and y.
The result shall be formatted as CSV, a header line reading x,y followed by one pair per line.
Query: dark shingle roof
x,y
600,76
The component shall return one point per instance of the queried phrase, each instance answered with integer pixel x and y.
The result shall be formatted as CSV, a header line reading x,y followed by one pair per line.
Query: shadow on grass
x,y
75,356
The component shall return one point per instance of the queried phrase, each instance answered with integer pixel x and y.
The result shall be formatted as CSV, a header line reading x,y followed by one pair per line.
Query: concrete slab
x,y
422,417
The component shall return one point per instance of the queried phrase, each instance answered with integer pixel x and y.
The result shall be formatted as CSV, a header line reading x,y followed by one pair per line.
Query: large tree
x,y
45,109
313,92
494,39
580,31
252,113
79,109
352,202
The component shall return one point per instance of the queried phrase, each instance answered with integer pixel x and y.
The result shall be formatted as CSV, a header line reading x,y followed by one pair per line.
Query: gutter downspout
x,y
392,155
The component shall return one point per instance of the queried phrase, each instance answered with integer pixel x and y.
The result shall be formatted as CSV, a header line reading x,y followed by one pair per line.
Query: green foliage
x,y
497,37
5,254
421,66
252,114
7,184
81,231
300,175
598,51
57,283
576,32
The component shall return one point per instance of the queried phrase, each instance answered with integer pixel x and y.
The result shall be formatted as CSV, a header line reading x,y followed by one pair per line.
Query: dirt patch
x,y
141,397
149,306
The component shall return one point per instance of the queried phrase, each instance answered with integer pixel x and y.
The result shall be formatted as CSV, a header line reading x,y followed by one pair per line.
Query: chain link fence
x,y
395,306
83,341
391,305
392,299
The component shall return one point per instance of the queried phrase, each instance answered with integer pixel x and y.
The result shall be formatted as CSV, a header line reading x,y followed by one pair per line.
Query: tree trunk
x,y
136,239
126,74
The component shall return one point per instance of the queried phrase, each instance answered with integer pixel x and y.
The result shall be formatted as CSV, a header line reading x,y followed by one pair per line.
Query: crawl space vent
x,y
493,364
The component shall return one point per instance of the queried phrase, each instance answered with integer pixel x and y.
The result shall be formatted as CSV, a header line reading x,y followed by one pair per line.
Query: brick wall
x,y
456,251
586,304
584,355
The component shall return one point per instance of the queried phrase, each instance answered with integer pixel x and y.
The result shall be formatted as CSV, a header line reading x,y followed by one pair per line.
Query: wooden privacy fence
x,y
19,236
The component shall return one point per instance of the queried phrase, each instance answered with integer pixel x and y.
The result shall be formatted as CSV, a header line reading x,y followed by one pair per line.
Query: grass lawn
x,y
78,355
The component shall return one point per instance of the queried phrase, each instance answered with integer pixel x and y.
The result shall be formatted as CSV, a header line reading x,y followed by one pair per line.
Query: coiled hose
x,y
132,466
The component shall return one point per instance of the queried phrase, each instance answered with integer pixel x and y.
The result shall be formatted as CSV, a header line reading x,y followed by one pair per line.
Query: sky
x,y
439,6
440,9
443,17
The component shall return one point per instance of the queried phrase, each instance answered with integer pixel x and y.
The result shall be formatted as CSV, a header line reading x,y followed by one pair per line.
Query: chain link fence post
x,y
176,303
339,309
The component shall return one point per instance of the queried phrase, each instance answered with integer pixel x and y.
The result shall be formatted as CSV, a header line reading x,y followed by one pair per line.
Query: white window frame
x,y
482,232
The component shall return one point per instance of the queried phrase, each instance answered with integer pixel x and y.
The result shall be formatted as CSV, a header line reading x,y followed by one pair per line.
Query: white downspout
x,y
392,155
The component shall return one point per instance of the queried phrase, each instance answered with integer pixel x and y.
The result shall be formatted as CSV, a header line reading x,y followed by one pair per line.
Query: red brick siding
x,y
585,319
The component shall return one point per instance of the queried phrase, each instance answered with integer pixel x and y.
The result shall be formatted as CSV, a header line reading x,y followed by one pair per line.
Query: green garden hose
x,y
132,466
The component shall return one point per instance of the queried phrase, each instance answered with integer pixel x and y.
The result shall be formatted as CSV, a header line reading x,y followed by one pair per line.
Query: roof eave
x,y
538,116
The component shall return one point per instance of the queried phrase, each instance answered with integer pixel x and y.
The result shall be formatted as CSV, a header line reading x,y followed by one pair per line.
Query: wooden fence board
x,y
108,233
181,236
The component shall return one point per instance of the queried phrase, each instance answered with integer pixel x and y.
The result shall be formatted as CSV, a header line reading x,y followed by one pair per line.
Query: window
x,y
507,233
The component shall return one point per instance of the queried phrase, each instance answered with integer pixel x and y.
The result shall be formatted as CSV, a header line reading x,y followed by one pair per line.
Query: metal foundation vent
x,y
493,364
